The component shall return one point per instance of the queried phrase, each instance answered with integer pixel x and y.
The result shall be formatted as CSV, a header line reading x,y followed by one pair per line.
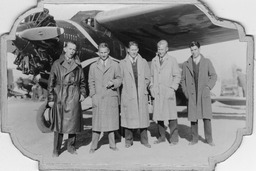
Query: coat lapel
x,y
164,62
129,65
140,66
68,68
109,63
190,66
156,62
99,65
201,67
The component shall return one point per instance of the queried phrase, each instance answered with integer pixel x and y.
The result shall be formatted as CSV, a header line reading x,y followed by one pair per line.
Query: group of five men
x,y
134,78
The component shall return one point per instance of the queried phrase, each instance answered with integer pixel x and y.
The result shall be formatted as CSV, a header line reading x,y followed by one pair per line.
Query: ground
x,y
21,119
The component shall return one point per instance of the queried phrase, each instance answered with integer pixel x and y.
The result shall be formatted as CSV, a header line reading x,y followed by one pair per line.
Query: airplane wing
x,y
179,24
236,101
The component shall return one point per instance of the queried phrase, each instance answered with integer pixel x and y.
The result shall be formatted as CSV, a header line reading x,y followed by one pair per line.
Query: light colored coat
x,y
104,100
165,79
207,78
134,104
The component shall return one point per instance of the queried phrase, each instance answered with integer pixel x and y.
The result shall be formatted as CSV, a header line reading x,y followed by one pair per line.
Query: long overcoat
x,y
66,85
134,102
165,80
200,109
105,100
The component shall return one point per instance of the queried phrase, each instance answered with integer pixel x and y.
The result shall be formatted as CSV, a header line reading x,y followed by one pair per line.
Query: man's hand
x,y
50,104
81,98
109,84
172,93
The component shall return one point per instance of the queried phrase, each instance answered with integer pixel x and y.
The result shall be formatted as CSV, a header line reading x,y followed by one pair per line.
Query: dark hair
x,y
66,43
133,43
103,45
194,43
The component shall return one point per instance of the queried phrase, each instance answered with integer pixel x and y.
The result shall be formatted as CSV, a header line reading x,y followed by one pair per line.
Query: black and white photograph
x,y
125,85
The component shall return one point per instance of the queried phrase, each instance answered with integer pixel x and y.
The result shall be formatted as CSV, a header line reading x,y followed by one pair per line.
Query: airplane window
x,y
89,21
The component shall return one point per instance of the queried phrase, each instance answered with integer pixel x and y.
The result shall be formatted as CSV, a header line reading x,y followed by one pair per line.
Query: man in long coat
x,y
104,80
66,89
165,81
198,78
134,98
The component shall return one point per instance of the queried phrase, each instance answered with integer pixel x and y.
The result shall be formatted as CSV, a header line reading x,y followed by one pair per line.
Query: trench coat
x,y
164,82
134,102
105,101
65,86
202,109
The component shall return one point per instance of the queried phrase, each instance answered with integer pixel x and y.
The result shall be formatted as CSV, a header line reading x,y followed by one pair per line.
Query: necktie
x,y
104,65
161,61
133,62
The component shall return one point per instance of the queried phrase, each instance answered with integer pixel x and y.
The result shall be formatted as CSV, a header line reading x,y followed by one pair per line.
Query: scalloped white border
x,y
213,160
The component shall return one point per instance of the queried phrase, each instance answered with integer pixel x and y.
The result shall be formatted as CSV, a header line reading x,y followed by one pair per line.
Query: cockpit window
x,y
90,21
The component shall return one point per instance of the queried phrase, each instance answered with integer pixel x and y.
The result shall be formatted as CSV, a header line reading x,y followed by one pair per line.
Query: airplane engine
x,y
37,43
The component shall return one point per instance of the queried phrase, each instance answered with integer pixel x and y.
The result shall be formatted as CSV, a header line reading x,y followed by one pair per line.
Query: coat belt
x,y
68,83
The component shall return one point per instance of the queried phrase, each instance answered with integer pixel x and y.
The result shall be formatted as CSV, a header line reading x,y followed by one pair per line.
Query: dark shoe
x,y
92,151
211,144
159,141
114,148
147,145
192,143
55,154
72,150
173,143
127,145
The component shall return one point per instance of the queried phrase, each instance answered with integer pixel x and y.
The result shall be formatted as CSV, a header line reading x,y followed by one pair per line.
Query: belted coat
x,y
202,108
134,101
65,86
164,82
105,100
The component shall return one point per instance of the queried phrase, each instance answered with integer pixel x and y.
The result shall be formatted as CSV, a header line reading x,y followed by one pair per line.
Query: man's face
x,y
162,49
103,53
70,50
133,51
195,51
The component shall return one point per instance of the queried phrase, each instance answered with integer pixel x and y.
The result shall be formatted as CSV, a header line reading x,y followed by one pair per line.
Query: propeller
x,y
41,33
37,43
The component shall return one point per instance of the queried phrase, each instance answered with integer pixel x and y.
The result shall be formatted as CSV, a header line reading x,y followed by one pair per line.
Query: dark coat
x,y
207,78
134,103
104,100
65,86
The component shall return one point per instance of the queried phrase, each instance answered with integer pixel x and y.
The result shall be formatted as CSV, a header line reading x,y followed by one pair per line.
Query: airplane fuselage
x,y
87,39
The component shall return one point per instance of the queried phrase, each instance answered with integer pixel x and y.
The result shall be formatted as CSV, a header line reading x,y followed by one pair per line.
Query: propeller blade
x,y
41,33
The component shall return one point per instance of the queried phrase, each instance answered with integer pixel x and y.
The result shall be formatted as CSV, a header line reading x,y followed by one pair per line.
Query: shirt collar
x,y
196,60
102,62
133,59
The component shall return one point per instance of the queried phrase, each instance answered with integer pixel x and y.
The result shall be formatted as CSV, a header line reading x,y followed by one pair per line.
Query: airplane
x,y
40,39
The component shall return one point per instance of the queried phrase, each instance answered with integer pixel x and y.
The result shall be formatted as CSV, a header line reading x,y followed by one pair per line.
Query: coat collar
x,y
166,58
128,63
99,64
73,66
189,63
76,59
